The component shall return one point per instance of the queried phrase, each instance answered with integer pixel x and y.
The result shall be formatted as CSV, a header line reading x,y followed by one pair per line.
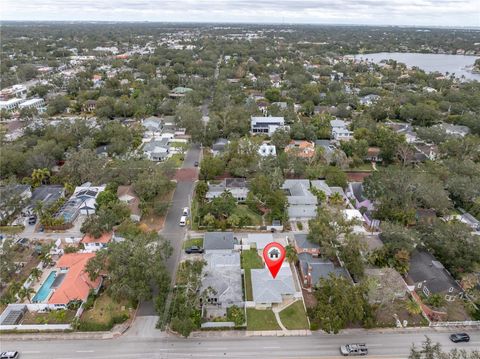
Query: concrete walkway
x,y
278,308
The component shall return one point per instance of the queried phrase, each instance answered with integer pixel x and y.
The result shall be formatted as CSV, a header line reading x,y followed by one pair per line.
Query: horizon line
x,y
466,27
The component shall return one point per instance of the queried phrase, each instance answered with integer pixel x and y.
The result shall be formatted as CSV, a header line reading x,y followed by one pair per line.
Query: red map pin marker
x,y
274,254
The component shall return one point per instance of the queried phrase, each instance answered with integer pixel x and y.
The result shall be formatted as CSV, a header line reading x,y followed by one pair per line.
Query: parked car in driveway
x,y
354,349
32,220
460,337
194,249
185,211
196,164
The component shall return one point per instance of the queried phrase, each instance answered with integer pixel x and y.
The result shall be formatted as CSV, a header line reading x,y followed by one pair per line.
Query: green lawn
x,y
11,229
104,310
362,167
176,159
248,284
261,320
294,316
243,211
179,145
251,260
193,242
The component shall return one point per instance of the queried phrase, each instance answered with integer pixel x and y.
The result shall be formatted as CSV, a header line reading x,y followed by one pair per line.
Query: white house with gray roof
x,y
302,204
153,125
222,282
268,290
157,150
340,130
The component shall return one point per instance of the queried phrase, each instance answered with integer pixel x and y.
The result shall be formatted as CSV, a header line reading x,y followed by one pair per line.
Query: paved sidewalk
x,y
60,336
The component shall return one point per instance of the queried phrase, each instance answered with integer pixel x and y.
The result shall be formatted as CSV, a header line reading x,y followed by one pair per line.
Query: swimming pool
x,y
45,289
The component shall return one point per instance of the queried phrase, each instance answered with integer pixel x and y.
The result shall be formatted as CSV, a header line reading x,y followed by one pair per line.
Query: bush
x,y
71,249
93,327
183,326
84,326
314,326
89,302
300,226
118,319
236,315
160,208
435,300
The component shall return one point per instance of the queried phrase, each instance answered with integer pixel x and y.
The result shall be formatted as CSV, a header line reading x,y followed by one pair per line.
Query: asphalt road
x,y
172,231
381,345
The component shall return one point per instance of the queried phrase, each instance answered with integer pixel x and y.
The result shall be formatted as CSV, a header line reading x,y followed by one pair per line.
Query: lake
x,y
443,63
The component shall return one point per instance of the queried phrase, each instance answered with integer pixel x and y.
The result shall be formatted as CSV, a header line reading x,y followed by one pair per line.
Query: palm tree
x,y
412,307
36,273
25,293
46,257
38,208
15,287
291,254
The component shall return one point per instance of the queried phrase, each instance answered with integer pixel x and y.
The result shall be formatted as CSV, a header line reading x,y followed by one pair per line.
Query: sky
x,y
465,13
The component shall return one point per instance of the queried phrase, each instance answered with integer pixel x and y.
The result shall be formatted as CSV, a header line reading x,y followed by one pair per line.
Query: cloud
x,y
375,12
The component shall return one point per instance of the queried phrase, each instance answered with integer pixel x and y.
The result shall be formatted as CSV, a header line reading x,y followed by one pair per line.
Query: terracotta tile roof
x,y
76,285
304,149
104,238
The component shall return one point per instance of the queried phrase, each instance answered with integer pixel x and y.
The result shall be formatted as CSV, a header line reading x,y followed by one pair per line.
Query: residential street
x,y
172,232
381,345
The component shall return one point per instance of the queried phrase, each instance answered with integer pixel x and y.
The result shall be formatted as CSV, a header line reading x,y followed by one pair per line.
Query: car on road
x,y
9,355
196,163
194,249
32,220
185,211
460,337
183,221
353,349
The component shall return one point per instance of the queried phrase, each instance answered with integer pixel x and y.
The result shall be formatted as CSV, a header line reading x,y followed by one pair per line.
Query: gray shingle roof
x,y
47,194
267,290
302,241
425,268
219,241
224,275
320,267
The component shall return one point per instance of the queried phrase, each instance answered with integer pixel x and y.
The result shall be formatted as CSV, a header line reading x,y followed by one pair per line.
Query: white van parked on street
x,y
183,221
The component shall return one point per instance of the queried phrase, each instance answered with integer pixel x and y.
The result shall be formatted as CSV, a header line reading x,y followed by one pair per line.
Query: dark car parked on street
x,y
193,249
460,337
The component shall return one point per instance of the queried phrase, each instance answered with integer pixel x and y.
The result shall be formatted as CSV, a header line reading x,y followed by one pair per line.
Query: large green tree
x,y
134,267
339,303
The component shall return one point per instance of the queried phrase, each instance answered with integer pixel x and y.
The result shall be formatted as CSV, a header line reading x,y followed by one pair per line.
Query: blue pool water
x,y
45,289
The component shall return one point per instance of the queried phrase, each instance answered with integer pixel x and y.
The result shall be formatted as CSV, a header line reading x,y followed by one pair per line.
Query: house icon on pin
x,y
274,254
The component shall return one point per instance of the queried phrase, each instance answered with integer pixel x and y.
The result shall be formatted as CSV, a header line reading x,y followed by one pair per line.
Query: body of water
x,y
457,64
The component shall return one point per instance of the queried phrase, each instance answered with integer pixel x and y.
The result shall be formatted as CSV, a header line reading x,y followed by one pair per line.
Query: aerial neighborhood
x,y
153,170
